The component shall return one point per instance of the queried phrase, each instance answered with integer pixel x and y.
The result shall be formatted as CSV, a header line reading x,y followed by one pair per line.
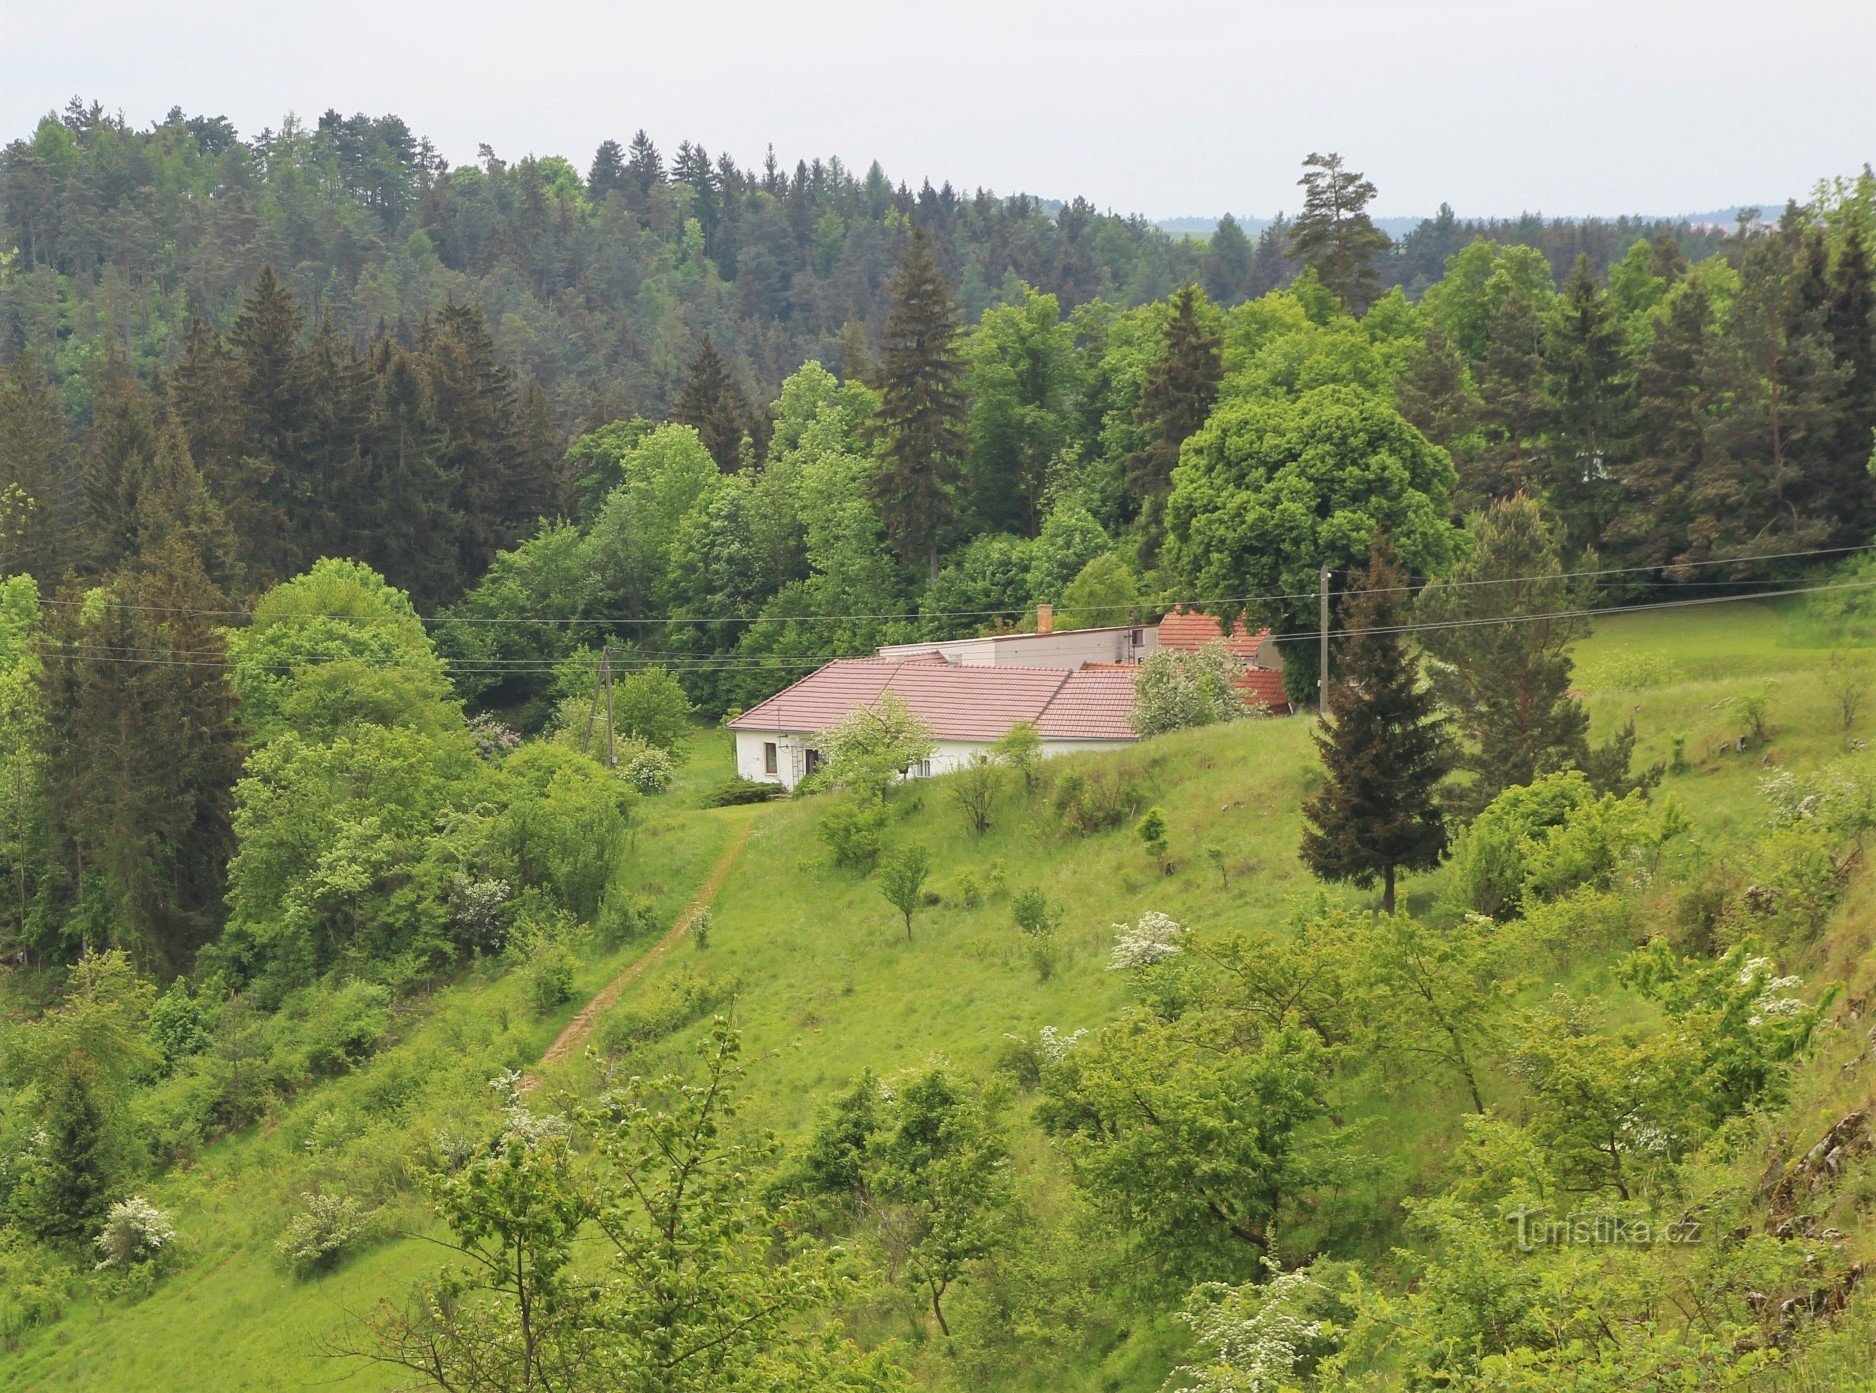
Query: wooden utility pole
x,y
612,744
1322,659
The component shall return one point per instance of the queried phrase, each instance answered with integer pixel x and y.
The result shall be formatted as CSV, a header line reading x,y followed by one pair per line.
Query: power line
x,y
702,621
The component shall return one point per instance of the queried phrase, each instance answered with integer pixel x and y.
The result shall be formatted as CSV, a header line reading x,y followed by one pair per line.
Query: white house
x,y
1075,686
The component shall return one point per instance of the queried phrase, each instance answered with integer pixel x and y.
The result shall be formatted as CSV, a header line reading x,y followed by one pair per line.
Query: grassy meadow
x,y
816,969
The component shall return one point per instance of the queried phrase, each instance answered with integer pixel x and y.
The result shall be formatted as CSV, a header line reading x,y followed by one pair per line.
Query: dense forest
x,y
332,477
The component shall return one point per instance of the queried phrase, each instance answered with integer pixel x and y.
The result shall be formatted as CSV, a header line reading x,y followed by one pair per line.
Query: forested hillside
x,y
380,543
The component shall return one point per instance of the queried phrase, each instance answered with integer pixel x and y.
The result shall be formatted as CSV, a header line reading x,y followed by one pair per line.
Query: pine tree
x,y
922,407
712,403
1334,233
1176,395
1591,409
1507,685
35,522
1384,748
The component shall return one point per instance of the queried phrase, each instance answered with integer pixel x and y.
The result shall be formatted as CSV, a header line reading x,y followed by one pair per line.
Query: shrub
x,y
178,1024
134,1231
1152,830
1154,939
321,1233
1033,914
1541,840
1175,691
674,1004
1628,671
1093,800
649,707
625,917
34,1285
550,976
478,912
342,1027
737,791
646,767
852,834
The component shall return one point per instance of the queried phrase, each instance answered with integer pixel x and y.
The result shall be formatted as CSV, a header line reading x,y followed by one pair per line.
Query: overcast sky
x,y
1193,107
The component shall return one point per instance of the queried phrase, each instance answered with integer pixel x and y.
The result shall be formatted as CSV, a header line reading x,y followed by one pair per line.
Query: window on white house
x,y
770,764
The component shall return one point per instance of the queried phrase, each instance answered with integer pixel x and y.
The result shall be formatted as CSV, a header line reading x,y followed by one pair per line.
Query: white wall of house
x,y
1069,649
788,763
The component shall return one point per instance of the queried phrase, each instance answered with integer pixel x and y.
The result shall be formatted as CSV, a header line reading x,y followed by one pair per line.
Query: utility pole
x,y
612,744
592,710
1322,660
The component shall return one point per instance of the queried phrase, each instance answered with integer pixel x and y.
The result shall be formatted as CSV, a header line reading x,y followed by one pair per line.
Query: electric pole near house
x,y
1322,657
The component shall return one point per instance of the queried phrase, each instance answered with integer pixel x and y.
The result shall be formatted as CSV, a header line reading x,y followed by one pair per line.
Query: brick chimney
x,y
1045,619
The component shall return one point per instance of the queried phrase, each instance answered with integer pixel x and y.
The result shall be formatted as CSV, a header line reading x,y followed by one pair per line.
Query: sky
x,y
1591,106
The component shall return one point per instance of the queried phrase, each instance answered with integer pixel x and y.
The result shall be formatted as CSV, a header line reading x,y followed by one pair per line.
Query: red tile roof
x,y
1184,631
958,703
1265,685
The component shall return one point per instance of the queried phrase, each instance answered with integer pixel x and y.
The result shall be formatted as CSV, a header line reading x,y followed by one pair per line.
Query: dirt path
x,y
573,1039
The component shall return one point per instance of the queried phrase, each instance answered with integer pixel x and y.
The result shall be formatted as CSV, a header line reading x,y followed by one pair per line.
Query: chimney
x,y
1045,619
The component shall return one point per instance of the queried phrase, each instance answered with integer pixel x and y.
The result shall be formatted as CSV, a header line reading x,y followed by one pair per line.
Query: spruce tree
x,y
712,403
1591,410
1227,262
1384,747
118,447
922,407
142,728
1507,685
68,1188
473,398
1435,395
1850,323
1514,405
273,492
1334,234
1176,395
35,522
607,174
403,522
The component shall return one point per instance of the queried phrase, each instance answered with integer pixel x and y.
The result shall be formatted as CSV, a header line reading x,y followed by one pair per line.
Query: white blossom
x,y
1154,939
1255,1334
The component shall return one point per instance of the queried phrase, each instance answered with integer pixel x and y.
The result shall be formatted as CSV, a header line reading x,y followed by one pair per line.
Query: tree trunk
x,y
1387,891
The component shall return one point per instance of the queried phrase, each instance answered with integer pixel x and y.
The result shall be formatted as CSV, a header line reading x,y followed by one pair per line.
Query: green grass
x,y
827,986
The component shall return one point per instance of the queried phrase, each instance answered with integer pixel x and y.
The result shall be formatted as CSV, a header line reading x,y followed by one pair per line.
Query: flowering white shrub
x,y
1254,1333
1054,1045
645,767
1770,1002
1153,940
134,1231
318,1236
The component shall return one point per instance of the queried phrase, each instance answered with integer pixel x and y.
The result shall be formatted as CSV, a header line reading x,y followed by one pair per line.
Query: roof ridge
x,y
807,677
1043,710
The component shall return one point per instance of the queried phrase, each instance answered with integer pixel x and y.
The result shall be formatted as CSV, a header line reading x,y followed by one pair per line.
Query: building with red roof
x,y
1075,686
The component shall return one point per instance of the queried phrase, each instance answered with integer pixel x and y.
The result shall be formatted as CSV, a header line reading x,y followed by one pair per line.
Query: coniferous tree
x,y
1176,395
1850,325
35,526
1679,394
473,399
608,173
338,393
405,525
1334,234
1590,407
142,723
1385,749
922,407
713,404
1507,685
273,493
1228,263
118,447
68,1190
1513,403
1434,394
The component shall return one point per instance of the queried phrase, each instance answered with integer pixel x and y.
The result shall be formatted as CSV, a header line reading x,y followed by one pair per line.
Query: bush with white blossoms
x,y
645,767
1254,1334
1154,939
134,1231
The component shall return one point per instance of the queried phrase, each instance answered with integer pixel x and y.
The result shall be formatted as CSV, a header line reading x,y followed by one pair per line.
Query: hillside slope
x,y
816,969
